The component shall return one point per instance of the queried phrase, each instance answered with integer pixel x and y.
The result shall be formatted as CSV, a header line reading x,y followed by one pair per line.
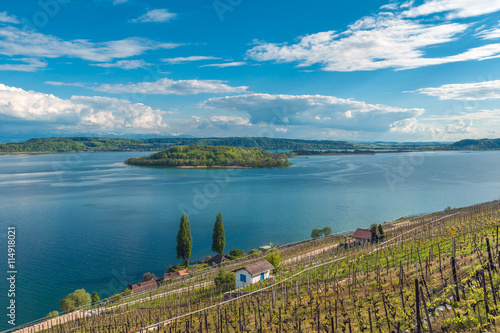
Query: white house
x,y
253,273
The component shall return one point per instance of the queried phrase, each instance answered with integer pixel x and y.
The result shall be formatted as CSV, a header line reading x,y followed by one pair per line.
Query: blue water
x,y
83,221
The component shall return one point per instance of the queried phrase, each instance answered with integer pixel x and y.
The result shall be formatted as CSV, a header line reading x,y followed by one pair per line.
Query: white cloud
x,y
79,112
125,64
386,40
490,34
315,110
465,91
226,64
8,19
27,65
14,41
460,126
180,60
373,43
155,15
57,83
454,8
167,86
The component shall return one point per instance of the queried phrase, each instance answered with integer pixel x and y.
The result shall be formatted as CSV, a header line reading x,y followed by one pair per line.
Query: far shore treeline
x,y
213,156
102,144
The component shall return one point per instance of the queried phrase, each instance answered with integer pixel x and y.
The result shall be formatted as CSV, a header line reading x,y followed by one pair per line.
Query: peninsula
x,y
213,156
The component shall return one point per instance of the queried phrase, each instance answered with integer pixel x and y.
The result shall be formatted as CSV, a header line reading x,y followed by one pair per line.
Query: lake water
x,y
83,221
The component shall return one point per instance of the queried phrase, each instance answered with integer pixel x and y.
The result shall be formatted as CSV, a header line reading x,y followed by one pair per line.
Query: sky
x,y
365,70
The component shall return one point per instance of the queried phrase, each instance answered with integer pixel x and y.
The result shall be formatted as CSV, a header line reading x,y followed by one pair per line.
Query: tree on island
x,y
76,299
218,236
184,241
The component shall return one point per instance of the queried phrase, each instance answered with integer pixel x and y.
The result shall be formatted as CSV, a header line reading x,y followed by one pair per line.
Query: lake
x,y
83,221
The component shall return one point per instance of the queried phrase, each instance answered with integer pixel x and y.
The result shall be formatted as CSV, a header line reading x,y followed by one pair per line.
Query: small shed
x,y
217,260
362,236
253,273
143,286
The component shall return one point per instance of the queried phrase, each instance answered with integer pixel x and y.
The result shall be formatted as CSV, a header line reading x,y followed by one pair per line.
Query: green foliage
x,y
53,314
127,292
184,241
275,258
95,297
374,230
316,233
254,252
218,236
75,300
224,278
327,231
122,144
380,231
211,156
236,253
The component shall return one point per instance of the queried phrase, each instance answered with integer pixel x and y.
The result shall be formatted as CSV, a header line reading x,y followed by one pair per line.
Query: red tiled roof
x,y
146,285
362,234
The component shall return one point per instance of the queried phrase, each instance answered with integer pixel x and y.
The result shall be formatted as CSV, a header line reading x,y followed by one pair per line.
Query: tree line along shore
x,y
102,144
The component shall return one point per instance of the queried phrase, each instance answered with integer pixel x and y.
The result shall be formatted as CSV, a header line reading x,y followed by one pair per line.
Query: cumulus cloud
x,y
125,64
156,16
167,86
17,42
454,8
226,64
386,40
315,110
93,113
180,60
465,91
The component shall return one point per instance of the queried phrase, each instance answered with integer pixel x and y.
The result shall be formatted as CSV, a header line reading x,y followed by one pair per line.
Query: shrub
x,y
224,278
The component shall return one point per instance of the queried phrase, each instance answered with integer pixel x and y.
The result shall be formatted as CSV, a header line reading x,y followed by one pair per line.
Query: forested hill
x,y
482,144
95,144
211,156
92,144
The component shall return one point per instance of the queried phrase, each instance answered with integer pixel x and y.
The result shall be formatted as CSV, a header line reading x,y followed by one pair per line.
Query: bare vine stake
x,y
487,308
417,307
426,311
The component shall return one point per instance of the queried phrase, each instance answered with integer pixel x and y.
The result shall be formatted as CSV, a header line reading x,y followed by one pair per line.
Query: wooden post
x,y
417,307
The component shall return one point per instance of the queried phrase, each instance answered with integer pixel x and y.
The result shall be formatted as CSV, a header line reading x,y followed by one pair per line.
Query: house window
x,y
243,278
262,276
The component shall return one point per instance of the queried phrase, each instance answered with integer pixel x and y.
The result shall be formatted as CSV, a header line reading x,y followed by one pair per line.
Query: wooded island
x,y
213,156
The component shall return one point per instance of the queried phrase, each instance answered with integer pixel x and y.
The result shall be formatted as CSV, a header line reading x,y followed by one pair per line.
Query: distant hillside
x,y
481,144
211,156
92,144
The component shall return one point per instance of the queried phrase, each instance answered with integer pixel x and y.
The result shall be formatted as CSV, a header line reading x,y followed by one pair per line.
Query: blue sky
x,y
363,70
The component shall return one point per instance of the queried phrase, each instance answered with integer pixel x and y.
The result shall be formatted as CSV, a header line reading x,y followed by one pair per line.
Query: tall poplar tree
x,y
184,241
218,236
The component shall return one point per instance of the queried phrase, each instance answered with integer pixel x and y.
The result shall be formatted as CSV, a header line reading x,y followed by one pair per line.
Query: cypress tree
x,y
218,236
184,241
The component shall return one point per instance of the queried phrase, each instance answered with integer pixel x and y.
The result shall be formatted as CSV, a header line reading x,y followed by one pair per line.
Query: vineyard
x,y
438,273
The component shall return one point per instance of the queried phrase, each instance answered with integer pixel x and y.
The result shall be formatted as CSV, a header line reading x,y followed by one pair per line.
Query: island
x,y
195,156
